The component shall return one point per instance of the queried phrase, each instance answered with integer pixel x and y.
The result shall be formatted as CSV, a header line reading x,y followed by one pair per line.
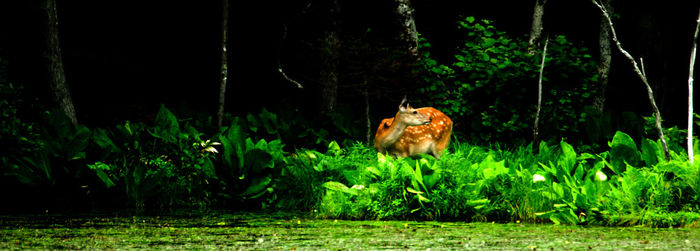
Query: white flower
x,y
358,187
209,146
537,178
600,176
211,149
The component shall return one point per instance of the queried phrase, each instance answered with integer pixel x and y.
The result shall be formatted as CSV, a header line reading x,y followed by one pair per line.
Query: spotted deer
x,y
414,131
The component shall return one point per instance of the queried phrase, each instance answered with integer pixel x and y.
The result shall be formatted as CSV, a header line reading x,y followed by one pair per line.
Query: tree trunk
x,y
536,130
409,34
224,62
537,25
328,78
281,43
693,53
57,77
642,76
365,93
605,60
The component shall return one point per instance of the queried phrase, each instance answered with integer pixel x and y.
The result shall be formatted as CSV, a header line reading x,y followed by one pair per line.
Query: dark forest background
x,y
123,59
144,77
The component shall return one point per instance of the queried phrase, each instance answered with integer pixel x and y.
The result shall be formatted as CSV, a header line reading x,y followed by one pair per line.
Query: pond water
x,y
275,231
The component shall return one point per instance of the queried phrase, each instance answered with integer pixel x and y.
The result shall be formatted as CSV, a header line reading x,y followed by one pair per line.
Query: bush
x,y
557,184
487,87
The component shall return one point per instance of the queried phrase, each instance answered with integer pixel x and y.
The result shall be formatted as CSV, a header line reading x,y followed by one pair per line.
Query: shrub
x,y
626,185
492,79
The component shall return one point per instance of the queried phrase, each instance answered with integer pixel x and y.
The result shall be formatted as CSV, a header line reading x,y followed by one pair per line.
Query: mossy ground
x,y
295,231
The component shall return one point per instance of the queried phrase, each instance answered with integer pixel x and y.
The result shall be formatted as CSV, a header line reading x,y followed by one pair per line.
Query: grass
x,y
296,231
624,186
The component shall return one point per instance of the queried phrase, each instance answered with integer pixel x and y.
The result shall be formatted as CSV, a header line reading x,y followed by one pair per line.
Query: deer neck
x,y
396,130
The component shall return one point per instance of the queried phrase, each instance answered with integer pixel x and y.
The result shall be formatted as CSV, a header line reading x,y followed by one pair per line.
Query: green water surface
x,y
298,232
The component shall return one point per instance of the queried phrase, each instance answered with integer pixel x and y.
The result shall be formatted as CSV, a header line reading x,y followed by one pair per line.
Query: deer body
x,y
414,131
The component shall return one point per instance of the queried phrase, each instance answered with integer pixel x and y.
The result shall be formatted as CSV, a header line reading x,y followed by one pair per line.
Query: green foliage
x,y
244,165
58,146
492,78
623,152
283,125
557,184
163,166
675,137
167,164
19,137
248,167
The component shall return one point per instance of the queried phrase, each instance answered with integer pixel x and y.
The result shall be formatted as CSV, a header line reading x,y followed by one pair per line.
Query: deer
x,y
413,131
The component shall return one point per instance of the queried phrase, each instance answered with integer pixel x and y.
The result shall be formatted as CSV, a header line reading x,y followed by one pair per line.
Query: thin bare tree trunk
x,y
693,52
328,79
284,75
641,75
537,25
57,77
605,60
369,122
536,130
224,62
409,34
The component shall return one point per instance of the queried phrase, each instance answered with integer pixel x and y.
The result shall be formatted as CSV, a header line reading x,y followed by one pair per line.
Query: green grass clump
x,y
625,185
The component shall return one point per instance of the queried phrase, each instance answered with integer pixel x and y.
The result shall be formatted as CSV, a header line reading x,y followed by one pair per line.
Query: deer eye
x,y
415,112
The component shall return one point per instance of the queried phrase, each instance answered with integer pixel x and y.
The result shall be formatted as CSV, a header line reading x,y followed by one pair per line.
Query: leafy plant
x,y
249,167
490,81
20,137
163,166
287,125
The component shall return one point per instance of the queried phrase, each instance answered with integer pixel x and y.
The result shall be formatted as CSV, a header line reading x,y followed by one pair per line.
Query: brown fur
x,y
432,138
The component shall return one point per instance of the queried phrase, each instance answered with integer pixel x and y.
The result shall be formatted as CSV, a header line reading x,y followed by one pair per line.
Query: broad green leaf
x,y
99,136
649,152
208,168
76,146
417,174
374,171
623,150
411,190
252,123
431,179
104,178
422,198
340,187
474,203
233,144
99,166
257,186
166,125
256,161
334,148
567,160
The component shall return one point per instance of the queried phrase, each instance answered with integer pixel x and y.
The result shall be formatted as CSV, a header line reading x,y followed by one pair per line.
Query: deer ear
x,y
404,104
388,123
